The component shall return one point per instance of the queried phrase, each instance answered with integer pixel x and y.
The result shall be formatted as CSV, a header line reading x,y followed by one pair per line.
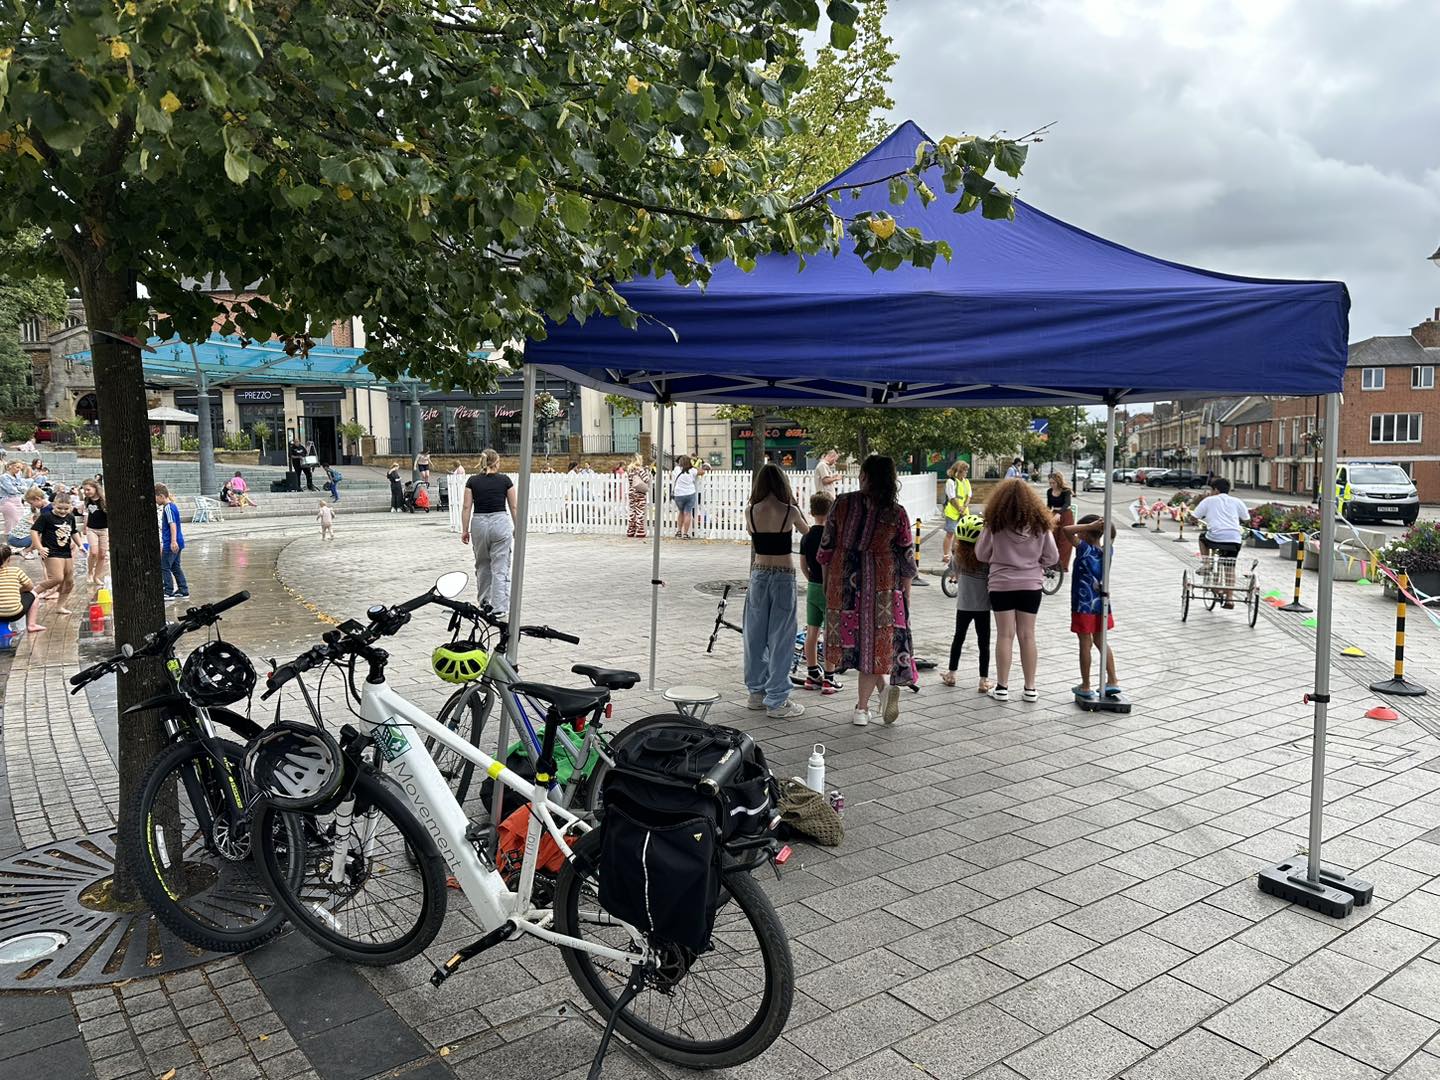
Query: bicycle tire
x,y
460,771
949,583
589,796
234,911
601,981
1054,578
404,853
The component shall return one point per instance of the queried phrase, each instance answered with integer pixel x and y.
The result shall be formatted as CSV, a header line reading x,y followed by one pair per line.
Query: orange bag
x,y
422,499
511,850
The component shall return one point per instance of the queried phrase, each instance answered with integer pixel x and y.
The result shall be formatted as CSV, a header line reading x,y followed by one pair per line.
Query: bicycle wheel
x,y
719,1008
589,795
1184,595
949,583
193,870
1054,578
388,900
465,713
1252,601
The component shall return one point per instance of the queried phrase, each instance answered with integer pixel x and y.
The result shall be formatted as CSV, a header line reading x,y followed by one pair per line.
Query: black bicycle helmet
x,y
217,673
295,766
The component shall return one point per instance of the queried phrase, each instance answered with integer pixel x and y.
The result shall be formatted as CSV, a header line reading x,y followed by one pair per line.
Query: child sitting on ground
x,y
972,599
815,679
326,517
1089,602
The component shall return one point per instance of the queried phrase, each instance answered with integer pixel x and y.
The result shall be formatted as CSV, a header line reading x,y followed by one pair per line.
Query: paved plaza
x,y
1024,890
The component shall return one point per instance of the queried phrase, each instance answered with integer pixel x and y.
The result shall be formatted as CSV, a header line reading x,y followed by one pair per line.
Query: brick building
x,y
1246,443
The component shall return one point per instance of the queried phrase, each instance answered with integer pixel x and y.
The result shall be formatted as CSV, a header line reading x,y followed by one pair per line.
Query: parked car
x,y
1378,490
1123,476
47,430
1094,481
1151,475
1176,478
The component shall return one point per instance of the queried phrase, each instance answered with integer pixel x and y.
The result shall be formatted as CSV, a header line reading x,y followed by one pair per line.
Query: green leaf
x,y
967,203
692,103
632,150
842,11
899,190
841,36
1010,157
998,205
301,195
574,212
235,167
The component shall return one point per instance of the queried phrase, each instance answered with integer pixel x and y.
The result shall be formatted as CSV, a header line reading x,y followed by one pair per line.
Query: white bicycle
x,y
374,886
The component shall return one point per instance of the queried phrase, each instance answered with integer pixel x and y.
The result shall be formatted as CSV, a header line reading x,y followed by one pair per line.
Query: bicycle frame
x,y
500,675
391,721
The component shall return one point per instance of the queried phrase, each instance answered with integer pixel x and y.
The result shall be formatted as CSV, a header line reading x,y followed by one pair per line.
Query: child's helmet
x,y
968,528
460,661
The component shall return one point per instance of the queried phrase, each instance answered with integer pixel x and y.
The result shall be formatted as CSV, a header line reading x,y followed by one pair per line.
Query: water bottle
x,y
815,769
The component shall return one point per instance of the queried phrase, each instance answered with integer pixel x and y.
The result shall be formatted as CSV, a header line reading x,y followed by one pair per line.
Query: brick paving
x,y
1024,890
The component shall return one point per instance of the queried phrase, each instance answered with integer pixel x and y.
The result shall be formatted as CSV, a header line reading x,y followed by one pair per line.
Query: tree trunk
x,y
130,503
864,441
757,439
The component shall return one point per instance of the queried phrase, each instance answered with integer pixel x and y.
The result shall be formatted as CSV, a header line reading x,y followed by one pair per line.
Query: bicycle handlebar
x,y
161,640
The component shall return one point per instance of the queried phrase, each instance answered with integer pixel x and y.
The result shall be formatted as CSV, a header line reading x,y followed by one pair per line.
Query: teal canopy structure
x,y
232,359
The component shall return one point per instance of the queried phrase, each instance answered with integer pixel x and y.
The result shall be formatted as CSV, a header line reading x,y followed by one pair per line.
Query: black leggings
x,y
963,619
27,601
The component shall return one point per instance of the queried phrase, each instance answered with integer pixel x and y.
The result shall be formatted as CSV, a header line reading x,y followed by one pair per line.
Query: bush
x,y
190,444
1417,551
238,440
87,439
19,430
157,441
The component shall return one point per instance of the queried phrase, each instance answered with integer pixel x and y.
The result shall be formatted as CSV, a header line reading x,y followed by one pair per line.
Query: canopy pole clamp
x,y
1310,699
657,581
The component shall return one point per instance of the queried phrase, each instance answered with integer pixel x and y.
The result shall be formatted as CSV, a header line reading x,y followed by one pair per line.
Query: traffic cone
x,y
1352,650
1382,712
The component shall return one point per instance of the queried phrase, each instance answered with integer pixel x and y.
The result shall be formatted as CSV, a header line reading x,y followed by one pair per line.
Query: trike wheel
x,y
1210,602
1054,578
1252,603
1184,595
949,583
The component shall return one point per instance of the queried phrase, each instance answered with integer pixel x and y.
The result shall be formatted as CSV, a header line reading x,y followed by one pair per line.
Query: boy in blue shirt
x,y
172,543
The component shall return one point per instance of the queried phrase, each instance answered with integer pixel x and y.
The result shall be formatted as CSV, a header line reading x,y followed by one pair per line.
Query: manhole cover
x,y
716,587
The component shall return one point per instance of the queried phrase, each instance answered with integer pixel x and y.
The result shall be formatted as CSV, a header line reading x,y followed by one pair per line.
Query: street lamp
x,y
1436,258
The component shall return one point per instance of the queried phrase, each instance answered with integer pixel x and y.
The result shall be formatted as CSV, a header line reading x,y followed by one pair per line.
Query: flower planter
x,y
1269,543
1349,562
1426,582
1286,548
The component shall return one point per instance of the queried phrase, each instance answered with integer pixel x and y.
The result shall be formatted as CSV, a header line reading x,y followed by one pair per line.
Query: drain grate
x,y
40,892
717,586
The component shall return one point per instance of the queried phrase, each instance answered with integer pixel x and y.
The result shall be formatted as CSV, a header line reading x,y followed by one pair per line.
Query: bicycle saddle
x,y
610,678
569,703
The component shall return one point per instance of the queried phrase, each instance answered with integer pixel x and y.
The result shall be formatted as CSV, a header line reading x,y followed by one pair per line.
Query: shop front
x,y
263,407
786,444
459,423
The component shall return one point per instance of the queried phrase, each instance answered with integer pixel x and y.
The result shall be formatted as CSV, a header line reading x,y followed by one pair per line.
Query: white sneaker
x,y
787,711
756,702
860,718
891,712
1000,693
1030,694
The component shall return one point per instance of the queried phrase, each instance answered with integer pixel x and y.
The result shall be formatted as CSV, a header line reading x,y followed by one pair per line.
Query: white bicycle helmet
x,y
295,766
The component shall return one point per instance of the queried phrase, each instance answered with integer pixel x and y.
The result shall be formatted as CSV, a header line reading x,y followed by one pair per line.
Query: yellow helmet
x,y
459,661
968,528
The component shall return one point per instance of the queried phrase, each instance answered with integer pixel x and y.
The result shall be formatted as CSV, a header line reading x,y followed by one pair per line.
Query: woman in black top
x,y
397,493
489,513
97,529
1058,497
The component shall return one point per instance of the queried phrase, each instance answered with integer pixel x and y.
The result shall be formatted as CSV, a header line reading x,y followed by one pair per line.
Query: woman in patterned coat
x,y
869,561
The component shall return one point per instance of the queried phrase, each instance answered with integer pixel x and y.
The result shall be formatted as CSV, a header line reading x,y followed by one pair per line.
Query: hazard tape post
x,y
1296,605
1398,685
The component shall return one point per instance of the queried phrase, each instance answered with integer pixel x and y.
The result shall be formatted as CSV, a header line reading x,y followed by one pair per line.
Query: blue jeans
x,y
170,572
770,633
333,487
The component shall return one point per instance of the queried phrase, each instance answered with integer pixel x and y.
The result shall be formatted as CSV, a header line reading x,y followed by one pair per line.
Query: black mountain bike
x,y
186,833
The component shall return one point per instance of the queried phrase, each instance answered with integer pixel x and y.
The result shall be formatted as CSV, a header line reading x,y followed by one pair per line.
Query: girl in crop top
x,y
771,518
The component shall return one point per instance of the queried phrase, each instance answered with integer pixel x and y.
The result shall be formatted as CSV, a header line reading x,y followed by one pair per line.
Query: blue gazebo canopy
x,y
1033,311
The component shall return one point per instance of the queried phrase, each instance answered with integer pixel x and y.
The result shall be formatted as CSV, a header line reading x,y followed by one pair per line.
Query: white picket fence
x,y
600,503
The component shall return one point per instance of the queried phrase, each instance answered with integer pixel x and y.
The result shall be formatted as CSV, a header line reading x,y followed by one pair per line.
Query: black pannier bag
x,y
662,837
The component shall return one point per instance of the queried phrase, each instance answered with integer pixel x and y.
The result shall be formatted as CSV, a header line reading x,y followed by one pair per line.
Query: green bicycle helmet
x,y
459,661
968,528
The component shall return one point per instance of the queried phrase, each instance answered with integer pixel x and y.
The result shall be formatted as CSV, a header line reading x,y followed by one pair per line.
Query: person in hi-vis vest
x,y
1342,491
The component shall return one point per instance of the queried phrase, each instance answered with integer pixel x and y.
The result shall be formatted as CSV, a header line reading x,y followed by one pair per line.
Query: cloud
x,y
1280,139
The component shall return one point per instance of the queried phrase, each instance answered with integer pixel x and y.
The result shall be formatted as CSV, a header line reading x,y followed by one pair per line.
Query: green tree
x,y
453,174
907,434
26,291
841,106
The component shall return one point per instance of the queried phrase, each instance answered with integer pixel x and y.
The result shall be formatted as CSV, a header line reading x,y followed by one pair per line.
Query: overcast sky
x,y
1279,138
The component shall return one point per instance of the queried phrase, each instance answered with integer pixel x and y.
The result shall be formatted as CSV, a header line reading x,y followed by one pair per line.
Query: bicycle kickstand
x,y
633,987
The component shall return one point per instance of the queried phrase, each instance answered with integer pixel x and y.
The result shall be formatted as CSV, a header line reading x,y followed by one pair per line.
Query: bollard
x,y
1156,509
1181,538
1398,685
1296,605
919,578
